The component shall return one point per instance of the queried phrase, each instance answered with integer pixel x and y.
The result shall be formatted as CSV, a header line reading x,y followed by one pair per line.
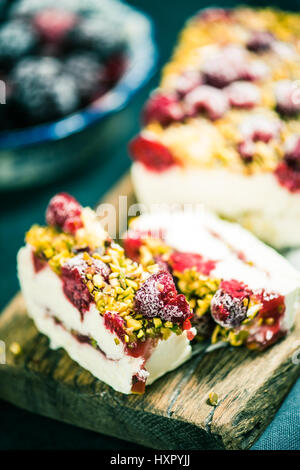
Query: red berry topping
x,y
288,177
52,24
164,108
134,240
115,324
206,98
64,212
157,297
229,305
292,155
73,277
180,261
287,97
215,14
187,81
260,128
154,155
273,307
255,70
260,41
243,95
224,67
246,150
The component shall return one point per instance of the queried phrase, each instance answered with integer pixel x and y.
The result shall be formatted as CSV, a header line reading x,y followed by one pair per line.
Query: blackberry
x,y
96,35
42,92
17,39
87,72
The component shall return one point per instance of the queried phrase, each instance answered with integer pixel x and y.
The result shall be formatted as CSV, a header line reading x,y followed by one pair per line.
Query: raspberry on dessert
x,y
134,240
96,35
64,212
292,154
215,14
243,95
41,91
246,150
17,39
180,261
73,278
89,75
288,177
162,107
157,297
230,303
53,24
115,323
187,81
260,41
154,155
208,99
260,128
224,67
254,71
287,97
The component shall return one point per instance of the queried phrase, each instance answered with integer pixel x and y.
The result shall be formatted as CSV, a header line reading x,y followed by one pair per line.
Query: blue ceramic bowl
x,y
36,155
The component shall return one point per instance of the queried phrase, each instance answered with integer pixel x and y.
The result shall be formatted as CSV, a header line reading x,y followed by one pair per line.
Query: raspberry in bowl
x,y
64,67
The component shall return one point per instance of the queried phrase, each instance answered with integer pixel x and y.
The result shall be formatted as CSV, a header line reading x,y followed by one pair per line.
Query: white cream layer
x,y
258,201
225,242
44,297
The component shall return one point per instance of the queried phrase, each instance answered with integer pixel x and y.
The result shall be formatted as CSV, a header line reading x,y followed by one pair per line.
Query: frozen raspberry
x,y
154,155
98,36
292,155
52,25
17,39
254,71
246,150
260,128
260,41
224,67
287,95
187,81
162,107
73,278
157,297
64,212
243,95
288,177
180,261
205,98
89,75
132,244
215,14
229,305
115,324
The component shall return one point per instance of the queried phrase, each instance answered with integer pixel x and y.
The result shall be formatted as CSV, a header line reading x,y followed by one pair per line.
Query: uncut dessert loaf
x,y
124,323
223,127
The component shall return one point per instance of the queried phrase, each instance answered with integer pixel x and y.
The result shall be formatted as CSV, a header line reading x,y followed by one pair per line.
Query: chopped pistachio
x,y
213,398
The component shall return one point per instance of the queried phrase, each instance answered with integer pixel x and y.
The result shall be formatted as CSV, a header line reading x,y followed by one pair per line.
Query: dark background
x,y
20,429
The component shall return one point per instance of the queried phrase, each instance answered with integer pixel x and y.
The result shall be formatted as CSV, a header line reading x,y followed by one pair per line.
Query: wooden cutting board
x,y
174,413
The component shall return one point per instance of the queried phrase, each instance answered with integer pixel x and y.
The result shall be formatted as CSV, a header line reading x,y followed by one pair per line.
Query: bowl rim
x,y
141,65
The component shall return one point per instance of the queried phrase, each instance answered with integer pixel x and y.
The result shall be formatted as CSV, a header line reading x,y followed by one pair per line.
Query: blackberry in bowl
x,y
63,68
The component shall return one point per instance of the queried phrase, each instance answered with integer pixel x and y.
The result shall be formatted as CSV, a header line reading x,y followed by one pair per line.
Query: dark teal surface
x,y
18,210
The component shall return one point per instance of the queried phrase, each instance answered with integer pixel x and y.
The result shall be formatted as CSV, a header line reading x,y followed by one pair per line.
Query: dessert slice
x,y
241,291
123,322
223,128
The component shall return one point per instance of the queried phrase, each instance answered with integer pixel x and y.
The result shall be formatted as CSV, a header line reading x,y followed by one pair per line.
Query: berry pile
x,y
54,62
